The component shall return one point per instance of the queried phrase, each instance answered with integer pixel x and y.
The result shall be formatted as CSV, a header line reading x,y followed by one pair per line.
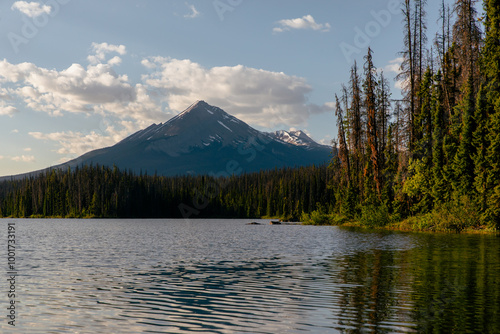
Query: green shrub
x,y
375,216
320,218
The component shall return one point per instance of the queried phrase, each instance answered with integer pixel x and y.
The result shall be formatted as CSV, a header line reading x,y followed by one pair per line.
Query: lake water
x,y
223,276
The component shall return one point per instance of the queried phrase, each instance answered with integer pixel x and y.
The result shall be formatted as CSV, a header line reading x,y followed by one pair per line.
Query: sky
x,y
80,75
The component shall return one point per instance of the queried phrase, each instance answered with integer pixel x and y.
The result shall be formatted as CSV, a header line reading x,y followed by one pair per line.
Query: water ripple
x,y
166,276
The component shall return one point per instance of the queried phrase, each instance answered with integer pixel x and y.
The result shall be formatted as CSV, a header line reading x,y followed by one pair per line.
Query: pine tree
x,y
493,177
480,140
372,132
440,188
464,167
490,65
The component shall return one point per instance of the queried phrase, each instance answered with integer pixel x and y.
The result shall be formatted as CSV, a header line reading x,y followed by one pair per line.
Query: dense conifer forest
x,y
108,192
429,159
435,154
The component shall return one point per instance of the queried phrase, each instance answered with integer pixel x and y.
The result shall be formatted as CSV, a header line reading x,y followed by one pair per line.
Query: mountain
x,y
205,139
298,138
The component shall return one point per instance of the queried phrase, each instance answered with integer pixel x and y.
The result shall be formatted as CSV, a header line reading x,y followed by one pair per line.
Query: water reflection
x,y
450,284
438,289
222,297
227,278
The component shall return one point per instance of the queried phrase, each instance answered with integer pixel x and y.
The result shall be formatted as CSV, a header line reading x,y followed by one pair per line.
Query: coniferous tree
x,y
440,188
464,167
372,126
480,142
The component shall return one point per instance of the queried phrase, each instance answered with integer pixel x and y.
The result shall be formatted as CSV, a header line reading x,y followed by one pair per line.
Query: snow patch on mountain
x,y
224,125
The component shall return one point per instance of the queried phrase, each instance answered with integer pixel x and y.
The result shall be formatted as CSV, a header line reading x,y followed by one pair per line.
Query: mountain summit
x,y
199,126
205,139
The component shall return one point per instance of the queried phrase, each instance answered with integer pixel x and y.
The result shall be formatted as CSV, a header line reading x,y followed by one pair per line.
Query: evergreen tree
x,y
464,167
440,187
480,140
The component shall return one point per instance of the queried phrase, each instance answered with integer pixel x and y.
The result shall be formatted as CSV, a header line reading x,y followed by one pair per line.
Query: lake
x,y
223,276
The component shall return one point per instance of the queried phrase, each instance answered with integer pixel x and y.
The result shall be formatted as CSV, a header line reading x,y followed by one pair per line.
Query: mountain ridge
x,y
203,139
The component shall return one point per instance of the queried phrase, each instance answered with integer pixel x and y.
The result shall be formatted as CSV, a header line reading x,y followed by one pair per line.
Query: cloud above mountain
x,y
307,22
168,86
254,95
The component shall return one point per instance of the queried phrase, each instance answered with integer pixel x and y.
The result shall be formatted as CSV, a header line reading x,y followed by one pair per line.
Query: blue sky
x,y
79,75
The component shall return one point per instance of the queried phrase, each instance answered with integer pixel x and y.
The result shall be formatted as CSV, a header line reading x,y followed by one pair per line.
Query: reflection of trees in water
x,y
371,295
459,290
451,284
448,284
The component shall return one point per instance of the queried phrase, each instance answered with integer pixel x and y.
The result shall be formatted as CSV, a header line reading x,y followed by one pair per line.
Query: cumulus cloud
x,y
194,13
394,66
73,144
6,110
327,140
24,158
31,9
305,22
94,89
101,50
27,149
256,96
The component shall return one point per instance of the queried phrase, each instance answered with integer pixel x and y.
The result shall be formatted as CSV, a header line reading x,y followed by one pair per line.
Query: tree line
x,y
437,148
98,191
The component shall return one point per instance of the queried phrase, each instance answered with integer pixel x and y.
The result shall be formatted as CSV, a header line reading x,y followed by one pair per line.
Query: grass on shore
x,y
450,219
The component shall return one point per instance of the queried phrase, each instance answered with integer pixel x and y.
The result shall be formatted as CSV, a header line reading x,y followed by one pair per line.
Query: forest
x,y
429,161
434,156
96,191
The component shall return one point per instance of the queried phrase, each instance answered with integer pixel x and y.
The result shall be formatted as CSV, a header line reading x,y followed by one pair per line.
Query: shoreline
x,y
403,226
411,224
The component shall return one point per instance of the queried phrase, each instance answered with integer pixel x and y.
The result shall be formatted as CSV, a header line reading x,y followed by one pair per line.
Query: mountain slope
x,y
205,139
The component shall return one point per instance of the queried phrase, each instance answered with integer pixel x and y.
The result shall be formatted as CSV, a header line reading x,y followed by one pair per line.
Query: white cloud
x,y
305,22
5,95
73,144
24,158
194,13
95,89
256,96
394,65
27,149
1,157
15,131
31,9
102,49
115,61
6,110
327,140
400,84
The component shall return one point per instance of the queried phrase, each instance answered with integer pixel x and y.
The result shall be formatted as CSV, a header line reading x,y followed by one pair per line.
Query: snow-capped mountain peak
x,y
205,139
294,137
